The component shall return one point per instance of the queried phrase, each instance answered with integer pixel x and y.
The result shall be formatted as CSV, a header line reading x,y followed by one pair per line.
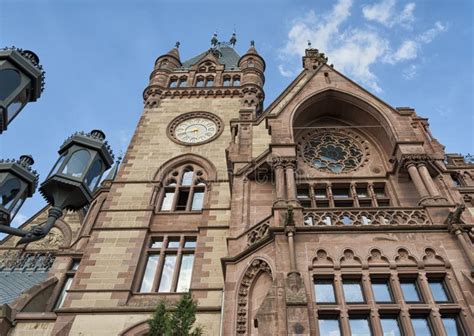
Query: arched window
x,y
209,81
173,83
200,82
226,81
184,189
236,81
183,81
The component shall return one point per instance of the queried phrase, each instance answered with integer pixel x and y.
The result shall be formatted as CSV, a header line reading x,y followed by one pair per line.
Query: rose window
x,y
331,152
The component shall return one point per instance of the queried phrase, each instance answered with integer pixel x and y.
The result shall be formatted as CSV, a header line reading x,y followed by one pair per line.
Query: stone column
x,y
415,177
467,249
371,192
280,182
354,195
427,180
329,195
291,246
290,181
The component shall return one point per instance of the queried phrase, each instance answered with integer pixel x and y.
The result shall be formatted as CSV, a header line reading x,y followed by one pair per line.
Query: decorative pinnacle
x,y
98,134
252,43
309,44
214,40
177,44
26,160
233,39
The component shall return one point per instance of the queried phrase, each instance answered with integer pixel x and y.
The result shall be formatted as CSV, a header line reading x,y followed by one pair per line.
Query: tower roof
x,y
226,56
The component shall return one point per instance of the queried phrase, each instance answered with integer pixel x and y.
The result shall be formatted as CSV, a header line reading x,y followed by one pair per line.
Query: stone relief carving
x,y
53,241
257,266
404,258
349,259
258,233
377,259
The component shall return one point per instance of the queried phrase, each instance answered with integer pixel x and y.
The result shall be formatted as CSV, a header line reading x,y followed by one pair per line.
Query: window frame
x,y
62,293
415,281
162,251
173,184
326,280
439,279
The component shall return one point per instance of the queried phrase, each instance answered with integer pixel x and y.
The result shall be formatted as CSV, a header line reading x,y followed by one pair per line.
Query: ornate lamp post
x,y
21,81
84,157
17,182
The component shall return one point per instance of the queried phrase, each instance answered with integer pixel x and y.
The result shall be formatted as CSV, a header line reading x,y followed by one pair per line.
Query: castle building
x,y
329,212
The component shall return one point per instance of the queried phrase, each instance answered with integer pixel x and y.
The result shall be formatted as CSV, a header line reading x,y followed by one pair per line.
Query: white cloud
x,y
407,51
356,50
380,12
429,35
384,13
410,72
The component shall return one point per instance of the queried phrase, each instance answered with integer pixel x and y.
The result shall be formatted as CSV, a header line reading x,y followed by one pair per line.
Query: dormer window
x,y
236,81
200,82
173,83
209,81
183,82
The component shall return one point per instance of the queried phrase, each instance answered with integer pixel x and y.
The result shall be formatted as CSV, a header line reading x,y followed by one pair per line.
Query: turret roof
x,y
226,55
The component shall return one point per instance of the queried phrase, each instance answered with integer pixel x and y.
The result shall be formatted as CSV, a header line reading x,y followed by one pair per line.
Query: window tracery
x,y
332,152
184,189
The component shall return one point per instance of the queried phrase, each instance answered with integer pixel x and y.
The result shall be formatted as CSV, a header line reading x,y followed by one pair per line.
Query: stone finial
x,y
252,43
177,44
233,39
214,40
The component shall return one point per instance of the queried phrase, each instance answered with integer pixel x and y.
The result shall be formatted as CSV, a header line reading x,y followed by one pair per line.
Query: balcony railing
x,y
360,216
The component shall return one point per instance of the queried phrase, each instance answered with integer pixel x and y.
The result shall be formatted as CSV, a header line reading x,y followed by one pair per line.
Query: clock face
x,y
195,130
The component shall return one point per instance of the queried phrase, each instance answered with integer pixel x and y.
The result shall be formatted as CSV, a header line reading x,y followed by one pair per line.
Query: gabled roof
x,y
227,56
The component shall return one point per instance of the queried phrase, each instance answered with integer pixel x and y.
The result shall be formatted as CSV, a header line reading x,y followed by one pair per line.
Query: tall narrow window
x,y
390,326
226,81
382,292
67,284
438,290
200,82
452,326
173,83
183,82
209,81
185,190
169,265
236,81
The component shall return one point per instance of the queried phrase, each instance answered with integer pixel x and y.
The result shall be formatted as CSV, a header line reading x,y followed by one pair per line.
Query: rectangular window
x,y
169,264
362,192
186,269
166,280
410,290
167,201
438,290
324,291
360,326
320,193
452,326
390,326
329,326
381,289
150,273
341,193
421,326
353,291
198,199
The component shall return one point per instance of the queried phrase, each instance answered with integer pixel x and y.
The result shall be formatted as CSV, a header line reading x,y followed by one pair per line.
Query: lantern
x,y
21,81
17,182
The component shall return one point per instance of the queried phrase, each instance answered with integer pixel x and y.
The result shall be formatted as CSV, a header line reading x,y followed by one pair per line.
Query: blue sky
x,y
98,56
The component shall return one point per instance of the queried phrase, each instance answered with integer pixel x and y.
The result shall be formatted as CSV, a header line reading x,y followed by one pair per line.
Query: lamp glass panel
x,y
77,163
10,79
94,174
58,164
9,192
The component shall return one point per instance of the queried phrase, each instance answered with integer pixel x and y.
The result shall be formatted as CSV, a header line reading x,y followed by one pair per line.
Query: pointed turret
x,y
170,60
253,66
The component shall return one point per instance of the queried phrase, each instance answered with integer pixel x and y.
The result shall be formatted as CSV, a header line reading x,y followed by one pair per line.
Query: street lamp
x,y
21,81
83,159
17,182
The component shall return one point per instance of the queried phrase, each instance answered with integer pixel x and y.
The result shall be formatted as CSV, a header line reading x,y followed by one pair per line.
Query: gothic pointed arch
x,y
353,109
250,277
184,159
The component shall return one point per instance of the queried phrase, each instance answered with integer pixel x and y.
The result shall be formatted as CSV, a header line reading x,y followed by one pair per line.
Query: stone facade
x,y
328,185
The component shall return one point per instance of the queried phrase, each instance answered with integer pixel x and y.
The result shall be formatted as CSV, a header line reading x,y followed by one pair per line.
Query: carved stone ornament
x,y
295,290
333,152
258,233
408,159
53,241
257,266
